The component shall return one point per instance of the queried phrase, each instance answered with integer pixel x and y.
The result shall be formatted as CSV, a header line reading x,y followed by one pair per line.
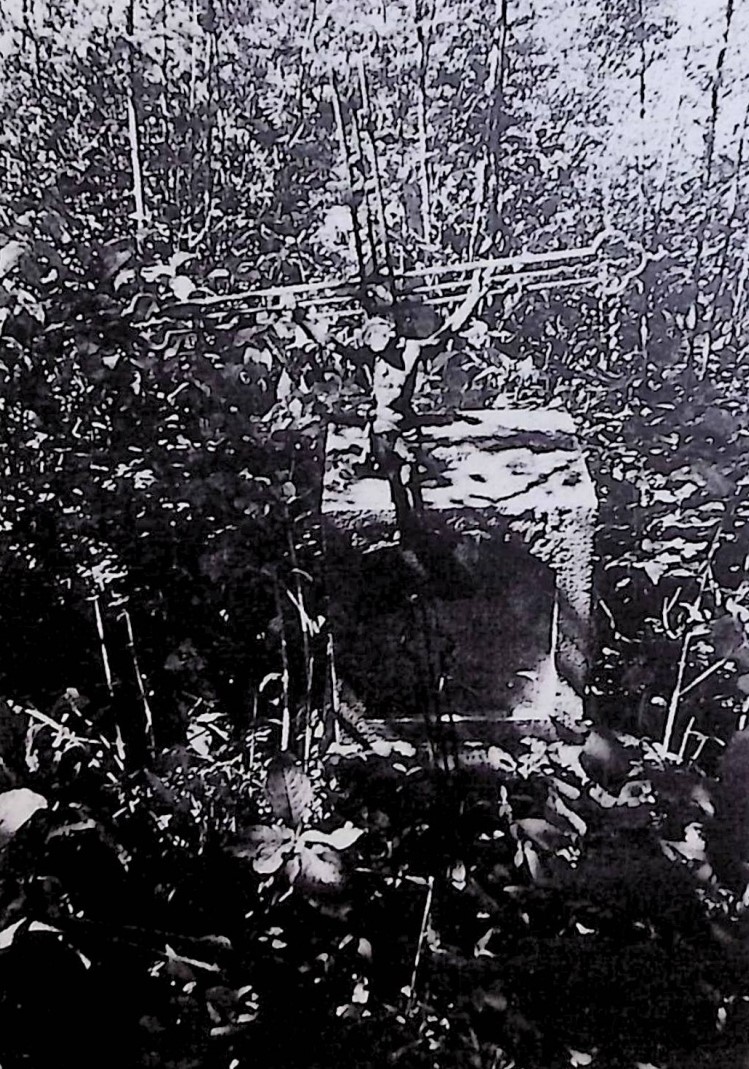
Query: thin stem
x,y
709,157
306,629
349,168
103,646
498,65
361,199
479,196
148,715
420,944
426,200
641,94
385,261
673,704
678,693
308,727
132,126
685,737
298,602
715,94
671,140
42,718
285,675
701,746
738,296
733,204
195,31
309,33
334,703
705,675
253,730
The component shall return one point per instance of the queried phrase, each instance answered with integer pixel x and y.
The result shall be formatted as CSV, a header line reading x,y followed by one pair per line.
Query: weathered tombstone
x,y
484,626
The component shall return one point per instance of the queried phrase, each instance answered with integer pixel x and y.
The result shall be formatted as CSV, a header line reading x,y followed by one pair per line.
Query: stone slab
x,y
496,462
508,478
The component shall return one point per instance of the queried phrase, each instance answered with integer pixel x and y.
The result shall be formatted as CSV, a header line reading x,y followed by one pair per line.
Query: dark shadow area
x,y
445,628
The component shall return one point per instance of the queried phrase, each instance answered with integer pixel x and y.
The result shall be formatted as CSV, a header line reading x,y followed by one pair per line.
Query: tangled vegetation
x,y
195,870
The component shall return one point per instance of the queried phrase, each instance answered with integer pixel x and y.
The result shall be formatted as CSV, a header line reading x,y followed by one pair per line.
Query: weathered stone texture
x,y
505,570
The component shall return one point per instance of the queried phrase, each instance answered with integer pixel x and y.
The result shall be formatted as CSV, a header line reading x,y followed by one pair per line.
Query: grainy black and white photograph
x,y
374,534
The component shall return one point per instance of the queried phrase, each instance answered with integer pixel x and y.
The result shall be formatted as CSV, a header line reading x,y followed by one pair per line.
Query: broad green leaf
x,y
16,808
576,822
252,355
182,287
542,833
500,760
284,387
289,791
266,846
7,935
340,839
320,868
580,1058
636,792
10,253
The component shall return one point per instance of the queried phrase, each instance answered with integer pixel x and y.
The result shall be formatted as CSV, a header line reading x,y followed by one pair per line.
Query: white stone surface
x,y
484,469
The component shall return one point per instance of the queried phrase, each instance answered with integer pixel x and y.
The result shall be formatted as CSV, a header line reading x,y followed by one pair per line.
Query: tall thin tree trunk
x,y
423,33
363,193
348,164
733,205
671,140
715,94
132,126
644,323
384,255
641,98
211,66
710,134
497,73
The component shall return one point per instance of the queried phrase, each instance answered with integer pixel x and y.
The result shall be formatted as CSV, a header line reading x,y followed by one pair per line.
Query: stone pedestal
x,y
484,622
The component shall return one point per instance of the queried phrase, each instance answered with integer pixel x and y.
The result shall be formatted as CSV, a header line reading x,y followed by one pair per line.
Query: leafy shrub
x,y
553,903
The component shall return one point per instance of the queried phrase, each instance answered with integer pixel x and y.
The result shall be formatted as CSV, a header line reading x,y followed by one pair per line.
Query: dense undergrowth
x,y
563,903
195,872
570,903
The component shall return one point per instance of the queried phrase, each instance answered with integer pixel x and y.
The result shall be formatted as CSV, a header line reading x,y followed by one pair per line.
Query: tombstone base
x,y
481,628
